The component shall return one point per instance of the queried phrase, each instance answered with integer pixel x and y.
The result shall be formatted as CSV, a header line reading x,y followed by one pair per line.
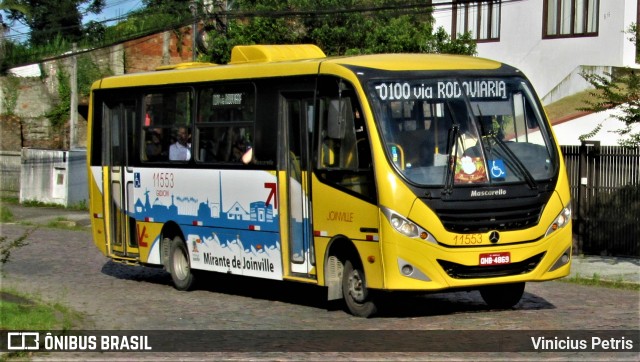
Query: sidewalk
x,y
607,268
47,215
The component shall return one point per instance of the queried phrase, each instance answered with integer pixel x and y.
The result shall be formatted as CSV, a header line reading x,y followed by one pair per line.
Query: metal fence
x,y
605,188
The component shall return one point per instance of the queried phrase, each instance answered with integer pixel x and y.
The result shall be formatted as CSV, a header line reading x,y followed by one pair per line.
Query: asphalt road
x,y
64,266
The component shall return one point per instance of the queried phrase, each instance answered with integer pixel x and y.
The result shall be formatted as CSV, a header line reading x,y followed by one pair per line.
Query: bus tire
x,y
357,296
180,268
502,296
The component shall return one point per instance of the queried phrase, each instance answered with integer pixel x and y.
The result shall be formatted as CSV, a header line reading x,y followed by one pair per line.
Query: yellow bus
x,y
363,174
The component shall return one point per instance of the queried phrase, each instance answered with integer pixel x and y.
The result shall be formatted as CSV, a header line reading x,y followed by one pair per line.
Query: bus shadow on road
x,y
136,273
403,305
392,304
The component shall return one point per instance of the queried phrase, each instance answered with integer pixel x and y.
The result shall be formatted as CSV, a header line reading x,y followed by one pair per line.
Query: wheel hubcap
x,y
356,287
180,265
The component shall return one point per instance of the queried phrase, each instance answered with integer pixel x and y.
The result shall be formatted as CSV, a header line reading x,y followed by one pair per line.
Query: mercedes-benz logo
x,y
494,237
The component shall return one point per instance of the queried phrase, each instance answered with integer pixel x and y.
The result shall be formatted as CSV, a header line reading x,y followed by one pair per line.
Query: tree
x,y
619,89
48,21
7,6
337,26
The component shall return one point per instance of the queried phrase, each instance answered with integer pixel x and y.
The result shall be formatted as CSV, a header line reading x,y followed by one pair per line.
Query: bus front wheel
x,y
502,296
180,269
357,296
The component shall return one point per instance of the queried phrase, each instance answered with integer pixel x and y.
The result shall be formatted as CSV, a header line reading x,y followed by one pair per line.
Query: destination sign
x,y
226,99
474,89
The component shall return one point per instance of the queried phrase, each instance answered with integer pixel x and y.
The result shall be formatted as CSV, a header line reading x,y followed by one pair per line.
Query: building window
x,y
570,18
481,18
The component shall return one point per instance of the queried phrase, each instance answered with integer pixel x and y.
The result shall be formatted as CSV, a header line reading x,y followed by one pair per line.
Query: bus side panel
x,y
96,208
241,252
149,235
337,213
224,215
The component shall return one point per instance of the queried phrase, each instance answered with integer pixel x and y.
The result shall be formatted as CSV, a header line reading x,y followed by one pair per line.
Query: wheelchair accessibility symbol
x,y
498,169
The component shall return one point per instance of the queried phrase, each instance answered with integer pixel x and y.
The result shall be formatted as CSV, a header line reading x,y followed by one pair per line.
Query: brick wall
x,y
150,52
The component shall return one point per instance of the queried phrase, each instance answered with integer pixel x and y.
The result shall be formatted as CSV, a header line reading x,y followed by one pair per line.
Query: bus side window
x,y
167,113
344,155
225,129
339,143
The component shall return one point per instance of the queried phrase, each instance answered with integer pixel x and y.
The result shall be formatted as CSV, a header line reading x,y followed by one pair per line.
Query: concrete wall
x,y
54,176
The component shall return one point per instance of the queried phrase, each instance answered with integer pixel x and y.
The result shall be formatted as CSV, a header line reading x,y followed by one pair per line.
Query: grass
x,y
596,280
5,214
27,313
80,206
64,223
21,313
567,105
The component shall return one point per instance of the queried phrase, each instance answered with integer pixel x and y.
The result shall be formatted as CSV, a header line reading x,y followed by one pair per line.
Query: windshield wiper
x,y
514,160
452,151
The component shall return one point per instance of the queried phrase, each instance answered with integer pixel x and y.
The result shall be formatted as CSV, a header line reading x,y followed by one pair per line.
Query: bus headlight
x,y
561,221
406,227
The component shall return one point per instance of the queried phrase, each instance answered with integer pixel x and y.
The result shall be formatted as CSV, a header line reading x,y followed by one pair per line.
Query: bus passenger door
x,y
296,111
119,127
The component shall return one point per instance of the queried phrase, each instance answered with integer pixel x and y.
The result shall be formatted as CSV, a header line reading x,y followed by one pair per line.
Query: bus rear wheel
x,y
357,296
180,269
502,296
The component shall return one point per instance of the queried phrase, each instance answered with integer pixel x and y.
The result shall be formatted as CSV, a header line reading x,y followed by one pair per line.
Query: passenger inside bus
x,y
180,150
154,147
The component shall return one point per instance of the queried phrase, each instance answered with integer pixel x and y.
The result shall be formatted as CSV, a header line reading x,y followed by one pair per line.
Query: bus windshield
x,y
488,130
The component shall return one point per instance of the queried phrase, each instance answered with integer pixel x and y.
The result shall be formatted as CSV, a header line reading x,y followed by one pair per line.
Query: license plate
x,y
489,259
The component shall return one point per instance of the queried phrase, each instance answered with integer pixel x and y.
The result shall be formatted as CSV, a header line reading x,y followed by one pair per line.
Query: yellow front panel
x,y
425,256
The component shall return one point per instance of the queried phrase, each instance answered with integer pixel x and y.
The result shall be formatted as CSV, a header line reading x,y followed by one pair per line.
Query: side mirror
x,y
340,113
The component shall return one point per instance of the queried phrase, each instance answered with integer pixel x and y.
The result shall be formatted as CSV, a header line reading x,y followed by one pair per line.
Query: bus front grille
x,y
483,220
459,271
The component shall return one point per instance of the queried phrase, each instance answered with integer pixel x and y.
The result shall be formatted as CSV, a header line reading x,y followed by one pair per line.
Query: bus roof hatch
x,y
274,53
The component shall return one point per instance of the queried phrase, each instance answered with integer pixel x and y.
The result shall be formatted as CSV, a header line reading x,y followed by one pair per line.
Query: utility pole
x,y
193,6
3,29
73,116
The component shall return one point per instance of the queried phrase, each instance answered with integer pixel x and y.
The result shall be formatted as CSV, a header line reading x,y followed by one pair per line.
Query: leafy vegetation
x,y
10,92
619,89
5,214
47,21
337,27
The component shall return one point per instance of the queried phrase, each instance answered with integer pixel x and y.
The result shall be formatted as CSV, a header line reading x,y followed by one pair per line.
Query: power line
x,y
398,7
401,8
